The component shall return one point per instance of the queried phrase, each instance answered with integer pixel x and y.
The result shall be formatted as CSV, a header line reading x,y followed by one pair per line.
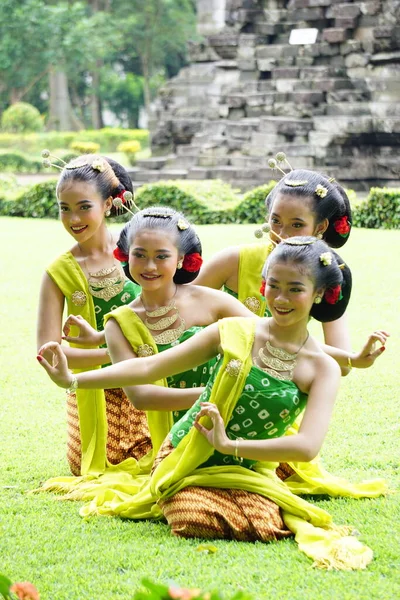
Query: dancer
x,y
161,251
89,280
271,369
302,203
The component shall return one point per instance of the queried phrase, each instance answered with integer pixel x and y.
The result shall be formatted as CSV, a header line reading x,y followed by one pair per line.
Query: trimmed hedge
x,y
21,117
252,207
19,162
37,202
108,138
381,210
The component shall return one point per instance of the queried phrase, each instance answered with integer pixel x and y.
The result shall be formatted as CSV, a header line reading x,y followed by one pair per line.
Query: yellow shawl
x,y
251,261
329,546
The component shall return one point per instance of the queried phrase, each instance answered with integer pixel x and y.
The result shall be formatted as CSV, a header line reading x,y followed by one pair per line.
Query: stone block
x,y
383,32
304,61
356,59
348,109
235,100
260,99
346,22
248,64
346,10
157,162
198,173
285,73
242,129
307,14
246,52
350,46
334,35
236,114
286,125
370,8
248,76
306,97
266,64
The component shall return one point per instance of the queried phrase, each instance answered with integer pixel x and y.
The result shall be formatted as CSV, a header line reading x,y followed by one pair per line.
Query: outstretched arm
x,y
146,397
137,371
365,357
336,334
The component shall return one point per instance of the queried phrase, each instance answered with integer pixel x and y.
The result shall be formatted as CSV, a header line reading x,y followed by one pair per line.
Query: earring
x,y
319,236
107,213
180,264
317,300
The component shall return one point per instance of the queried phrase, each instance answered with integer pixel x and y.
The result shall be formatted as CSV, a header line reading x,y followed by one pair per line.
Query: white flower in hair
x,y
98,165
321,191
326,258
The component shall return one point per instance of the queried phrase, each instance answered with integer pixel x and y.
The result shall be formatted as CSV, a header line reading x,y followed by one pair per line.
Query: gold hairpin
x,y
120,204
280,157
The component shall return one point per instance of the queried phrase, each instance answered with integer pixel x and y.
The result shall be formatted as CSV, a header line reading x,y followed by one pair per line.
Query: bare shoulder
x,y
314,365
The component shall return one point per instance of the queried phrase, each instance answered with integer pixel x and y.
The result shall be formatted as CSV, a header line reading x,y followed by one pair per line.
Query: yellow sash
x,y
251,261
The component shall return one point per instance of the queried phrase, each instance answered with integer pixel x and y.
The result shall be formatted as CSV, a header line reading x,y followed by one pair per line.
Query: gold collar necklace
x,y
168,335
278,362
100,284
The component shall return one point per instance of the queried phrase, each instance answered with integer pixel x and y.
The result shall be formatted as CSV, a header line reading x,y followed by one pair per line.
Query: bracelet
x,y
349,363
73,385
236,447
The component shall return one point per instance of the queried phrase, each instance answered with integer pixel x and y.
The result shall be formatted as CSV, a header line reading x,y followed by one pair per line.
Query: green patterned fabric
x,y
129,292
197,377
266,409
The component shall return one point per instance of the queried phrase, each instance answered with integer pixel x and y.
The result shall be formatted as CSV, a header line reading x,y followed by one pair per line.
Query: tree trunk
x,y
97,120
61,116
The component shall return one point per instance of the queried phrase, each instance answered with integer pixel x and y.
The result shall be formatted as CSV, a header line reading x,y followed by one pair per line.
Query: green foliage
x,y
38,202
156,591
21,117
252,208
381,210
108,138
17,162
130,149
210,201
85,147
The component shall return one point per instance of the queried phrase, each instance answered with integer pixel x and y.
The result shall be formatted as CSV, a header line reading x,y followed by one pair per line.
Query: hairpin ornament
x,y
326,258
46,162
280,157
296,182
123,200
182,225
321,191
265,228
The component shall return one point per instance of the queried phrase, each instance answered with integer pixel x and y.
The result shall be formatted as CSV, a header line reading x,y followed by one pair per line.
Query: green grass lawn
x,y
45,541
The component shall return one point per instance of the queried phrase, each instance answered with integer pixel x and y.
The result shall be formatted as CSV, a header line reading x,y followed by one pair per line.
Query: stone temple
x,y
333,105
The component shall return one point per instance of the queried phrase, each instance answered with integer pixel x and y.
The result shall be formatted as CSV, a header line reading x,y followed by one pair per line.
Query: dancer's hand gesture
x,y
216,436
58,369
88,335
369,353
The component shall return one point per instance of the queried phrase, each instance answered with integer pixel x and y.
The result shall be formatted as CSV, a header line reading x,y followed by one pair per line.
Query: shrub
x,y
252,207
38,202
130,149
21,117
380,210
210,201
18,162
85,147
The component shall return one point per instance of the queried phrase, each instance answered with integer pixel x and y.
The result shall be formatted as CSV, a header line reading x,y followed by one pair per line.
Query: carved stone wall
x,y
247,93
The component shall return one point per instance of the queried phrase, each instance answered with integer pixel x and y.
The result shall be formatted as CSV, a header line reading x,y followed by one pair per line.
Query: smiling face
x,y
290,293
82,209
290,216
153,259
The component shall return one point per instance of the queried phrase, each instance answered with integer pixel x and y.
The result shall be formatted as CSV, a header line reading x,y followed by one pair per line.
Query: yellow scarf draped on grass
x,y
330,547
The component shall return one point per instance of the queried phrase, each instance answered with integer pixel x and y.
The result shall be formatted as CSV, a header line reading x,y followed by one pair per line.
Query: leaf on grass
x,y
207,548
5,585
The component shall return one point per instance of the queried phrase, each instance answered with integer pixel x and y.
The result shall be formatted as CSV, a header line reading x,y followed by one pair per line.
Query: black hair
x,y
327,274
332,206
110,179
172,222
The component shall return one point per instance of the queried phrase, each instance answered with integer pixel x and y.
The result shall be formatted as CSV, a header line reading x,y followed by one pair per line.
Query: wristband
x,y
73,385
237,457
349,363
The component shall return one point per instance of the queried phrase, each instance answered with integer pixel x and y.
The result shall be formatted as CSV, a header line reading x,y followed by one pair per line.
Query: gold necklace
x,y
100,284
169,335
278,362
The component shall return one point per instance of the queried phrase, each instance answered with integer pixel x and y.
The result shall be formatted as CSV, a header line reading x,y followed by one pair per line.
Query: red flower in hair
x,y
192,262
121,195
342,226
121,256
333,295
262,287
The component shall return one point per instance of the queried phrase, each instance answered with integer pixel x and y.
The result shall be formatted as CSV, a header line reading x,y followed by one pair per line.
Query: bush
x,y
381,210
210,201
18,162
252,207
21,117
130,149
38,202
85,147
108,138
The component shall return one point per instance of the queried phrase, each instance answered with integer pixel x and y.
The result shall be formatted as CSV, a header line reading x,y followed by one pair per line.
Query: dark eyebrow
x,y
274,214
290,282
144,249
80,202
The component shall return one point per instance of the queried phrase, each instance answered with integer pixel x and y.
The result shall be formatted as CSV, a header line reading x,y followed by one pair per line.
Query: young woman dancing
x,y
90,281
217,479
